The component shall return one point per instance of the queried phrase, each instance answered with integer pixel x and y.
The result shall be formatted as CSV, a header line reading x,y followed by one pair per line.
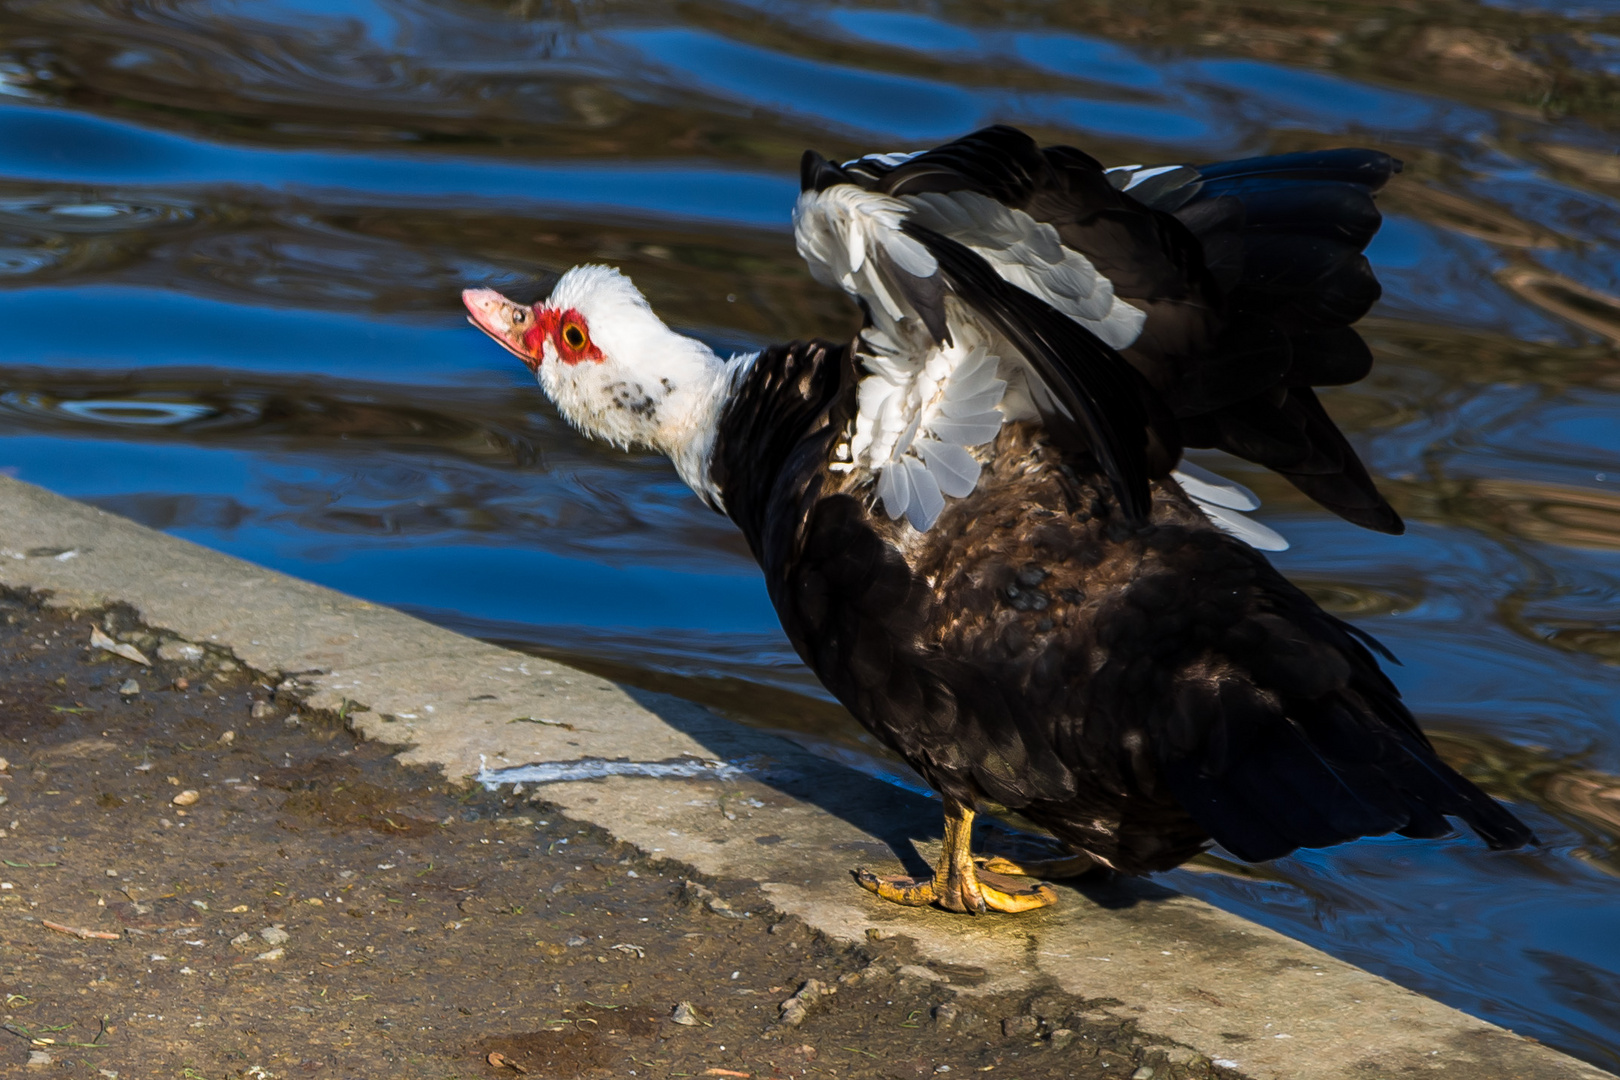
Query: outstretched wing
x,y
1228,289
949,280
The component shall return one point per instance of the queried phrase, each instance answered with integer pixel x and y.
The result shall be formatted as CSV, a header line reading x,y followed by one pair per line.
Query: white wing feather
x,y
1029,254
927,502
1251,532
1213,488
892,160
1223,501
1137,173
956,470
839,229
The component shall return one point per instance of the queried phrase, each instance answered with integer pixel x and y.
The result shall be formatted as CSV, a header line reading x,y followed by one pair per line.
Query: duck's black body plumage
x,y
1074,640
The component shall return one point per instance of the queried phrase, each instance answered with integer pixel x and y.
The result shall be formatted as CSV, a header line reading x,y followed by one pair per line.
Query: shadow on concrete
x,y
895,817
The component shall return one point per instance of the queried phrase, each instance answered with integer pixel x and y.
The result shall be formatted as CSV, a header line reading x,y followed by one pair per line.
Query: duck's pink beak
x,y
508,322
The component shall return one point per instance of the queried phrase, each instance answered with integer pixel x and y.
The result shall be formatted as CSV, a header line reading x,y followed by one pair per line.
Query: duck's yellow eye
x,y
573,336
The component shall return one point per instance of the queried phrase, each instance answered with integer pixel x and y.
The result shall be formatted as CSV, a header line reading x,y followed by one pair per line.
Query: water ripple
x,y
77,213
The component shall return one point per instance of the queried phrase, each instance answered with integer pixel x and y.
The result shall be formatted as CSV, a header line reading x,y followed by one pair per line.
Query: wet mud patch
x,y
341,801
197,880
565,1051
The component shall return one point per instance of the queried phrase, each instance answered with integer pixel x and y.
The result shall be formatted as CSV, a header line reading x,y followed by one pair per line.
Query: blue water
x,y
232,237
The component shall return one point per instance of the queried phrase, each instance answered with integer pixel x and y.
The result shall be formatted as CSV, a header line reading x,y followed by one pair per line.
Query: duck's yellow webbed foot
x,y
958,885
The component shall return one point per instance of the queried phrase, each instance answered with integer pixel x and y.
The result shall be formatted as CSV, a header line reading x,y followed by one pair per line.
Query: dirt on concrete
x,y
201,882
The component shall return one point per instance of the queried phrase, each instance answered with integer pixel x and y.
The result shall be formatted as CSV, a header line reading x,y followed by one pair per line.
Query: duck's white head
x,y
612,367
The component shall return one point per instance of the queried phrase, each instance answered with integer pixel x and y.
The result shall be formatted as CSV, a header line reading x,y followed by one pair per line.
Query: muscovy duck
x,y
974,521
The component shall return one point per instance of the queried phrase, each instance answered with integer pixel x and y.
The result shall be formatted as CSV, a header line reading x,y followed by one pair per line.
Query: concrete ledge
x,y
1243,995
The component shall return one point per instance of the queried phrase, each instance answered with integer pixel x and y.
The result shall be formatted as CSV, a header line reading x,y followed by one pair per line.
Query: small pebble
x,y
694,893
112,873
575,942
1144,1073
187,797
227,738
39,1057
262,710
129,688
685,1015
945,1015
797,1007
1061,1037
274,935
5,766
273,954
1014,1026
242,939
182,651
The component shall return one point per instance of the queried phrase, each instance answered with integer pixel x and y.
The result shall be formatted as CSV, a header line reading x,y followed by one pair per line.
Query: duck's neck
x,y
691,420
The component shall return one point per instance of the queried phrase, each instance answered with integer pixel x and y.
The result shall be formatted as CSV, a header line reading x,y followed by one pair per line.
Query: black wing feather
x,y
1000,161
1287,233
1370,169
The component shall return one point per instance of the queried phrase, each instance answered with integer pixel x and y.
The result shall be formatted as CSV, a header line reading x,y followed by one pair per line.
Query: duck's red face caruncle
x,y
526,332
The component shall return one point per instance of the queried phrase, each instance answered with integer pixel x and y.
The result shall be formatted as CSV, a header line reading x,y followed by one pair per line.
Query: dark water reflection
x,y
232,233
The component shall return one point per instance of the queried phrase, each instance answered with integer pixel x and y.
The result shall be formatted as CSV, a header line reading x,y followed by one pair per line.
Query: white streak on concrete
x,y
590,768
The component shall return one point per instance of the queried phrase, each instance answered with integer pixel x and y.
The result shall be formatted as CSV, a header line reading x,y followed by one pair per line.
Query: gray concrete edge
x,y
1241,994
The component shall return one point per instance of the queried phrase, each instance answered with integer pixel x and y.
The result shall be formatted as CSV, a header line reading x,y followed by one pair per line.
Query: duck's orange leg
x,y
957,884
